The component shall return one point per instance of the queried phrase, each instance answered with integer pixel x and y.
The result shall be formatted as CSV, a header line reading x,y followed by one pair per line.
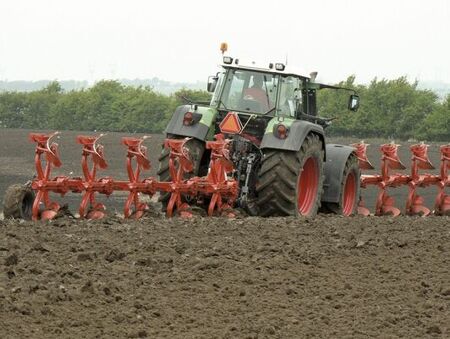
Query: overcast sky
x,y
179,40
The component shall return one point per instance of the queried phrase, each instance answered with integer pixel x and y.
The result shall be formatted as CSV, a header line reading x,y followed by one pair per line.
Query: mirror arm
x,y
321,86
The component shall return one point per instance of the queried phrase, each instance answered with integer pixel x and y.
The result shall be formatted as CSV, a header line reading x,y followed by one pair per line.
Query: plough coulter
x,y
258,145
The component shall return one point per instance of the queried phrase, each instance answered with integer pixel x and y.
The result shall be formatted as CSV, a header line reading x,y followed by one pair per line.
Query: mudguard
x,y
198,130
298,130
337,156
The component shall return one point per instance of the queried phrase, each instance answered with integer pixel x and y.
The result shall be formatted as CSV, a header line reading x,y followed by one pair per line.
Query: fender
x,y
199,130
337,156
298,130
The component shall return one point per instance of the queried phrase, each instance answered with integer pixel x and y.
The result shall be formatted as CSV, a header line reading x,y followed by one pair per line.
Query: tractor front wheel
x,y
291,183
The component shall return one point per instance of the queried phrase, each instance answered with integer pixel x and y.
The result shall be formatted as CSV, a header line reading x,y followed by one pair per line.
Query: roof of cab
x,y
259,68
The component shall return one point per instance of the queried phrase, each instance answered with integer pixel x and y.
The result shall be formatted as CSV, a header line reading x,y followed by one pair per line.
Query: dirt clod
x,y
84,257
434,330
114,255
88,288
11,260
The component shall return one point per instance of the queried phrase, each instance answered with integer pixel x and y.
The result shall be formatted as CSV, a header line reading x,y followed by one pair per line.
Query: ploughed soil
x,y
330,277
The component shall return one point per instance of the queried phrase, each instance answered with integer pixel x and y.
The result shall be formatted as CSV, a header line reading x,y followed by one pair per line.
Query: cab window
x,y
249,91
290,96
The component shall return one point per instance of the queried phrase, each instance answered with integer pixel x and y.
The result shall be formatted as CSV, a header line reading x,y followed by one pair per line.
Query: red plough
x,y
217,187
218,190
385,204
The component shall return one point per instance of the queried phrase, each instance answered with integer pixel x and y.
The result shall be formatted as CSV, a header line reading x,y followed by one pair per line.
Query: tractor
x,y
278,147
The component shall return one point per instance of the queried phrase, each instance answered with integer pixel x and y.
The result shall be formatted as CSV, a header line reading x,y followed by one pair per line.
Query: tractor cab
x,y
261,93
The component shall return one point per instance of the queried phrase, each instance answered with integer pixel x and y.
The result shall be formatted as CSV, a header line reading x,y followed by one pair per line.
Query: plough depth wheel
x,y
18,202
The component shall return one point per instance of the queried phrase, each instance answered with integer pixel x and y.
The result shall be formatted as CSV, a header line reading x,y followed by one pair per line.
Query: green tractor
x,y
282,161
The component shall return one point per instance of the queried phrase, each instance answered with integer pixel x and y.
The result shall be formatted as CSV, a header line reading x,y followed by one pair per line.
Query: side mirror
x,y
353,102
212,82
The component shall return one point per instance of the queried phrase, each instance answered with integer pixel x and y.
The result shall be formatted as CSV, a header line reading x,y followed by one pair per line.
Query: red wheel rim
x,y
307,187
349,197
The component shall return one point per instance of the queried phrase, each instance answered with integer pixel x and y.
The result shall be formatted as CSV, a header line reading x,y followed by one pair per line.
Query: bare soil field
x,y
330,277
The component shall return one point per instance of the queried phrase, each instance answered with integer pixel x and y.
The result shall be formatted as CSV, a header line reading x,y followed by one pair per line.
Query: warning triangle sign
x,y
231,124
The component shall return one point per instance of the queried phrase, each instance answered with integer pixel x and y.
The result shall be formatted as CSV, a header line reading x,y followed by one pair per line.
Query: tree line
x,y
395,109
106,106
389,109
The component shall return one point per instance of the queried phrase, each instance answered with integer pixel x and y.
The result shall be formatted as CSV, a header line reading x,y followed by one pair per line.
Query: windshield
x,y
249,91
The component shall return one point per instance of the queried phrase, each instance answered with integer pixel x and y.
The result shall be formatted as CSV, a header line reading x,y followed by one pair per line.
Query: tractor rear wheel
x,y
18,202
196,150
348,200
291,183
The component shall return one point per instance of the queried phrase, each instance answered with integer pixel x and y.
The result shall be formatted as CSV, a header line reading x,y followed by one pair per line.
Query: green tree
x,y
39,105
389,109
436,125
13,109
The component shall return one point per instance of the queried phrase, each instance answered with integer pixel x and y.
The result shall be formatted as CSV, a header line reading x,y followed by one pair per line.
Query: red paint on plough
x,y
217,187
385,204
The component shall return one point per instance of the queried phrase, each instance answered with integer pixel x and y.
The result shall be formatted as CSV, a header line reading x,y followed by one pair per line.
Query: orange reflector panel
x,y
231,124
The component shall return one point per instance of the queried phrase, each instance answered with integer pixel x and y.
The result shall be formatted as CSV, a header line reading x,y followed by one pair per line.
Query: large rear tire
x,y
350,188
196,150
291,183
18,202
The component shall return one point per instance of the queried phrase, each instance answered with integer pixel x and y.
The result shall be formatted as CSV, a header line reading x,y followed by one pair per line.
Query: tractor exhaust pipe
x,y
313,76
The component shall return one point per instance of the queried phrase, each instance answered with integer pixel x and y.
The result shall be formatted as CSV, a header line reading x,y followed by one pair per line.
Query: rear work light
x,y
279,67
188,119
281,131
191,118
227,60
